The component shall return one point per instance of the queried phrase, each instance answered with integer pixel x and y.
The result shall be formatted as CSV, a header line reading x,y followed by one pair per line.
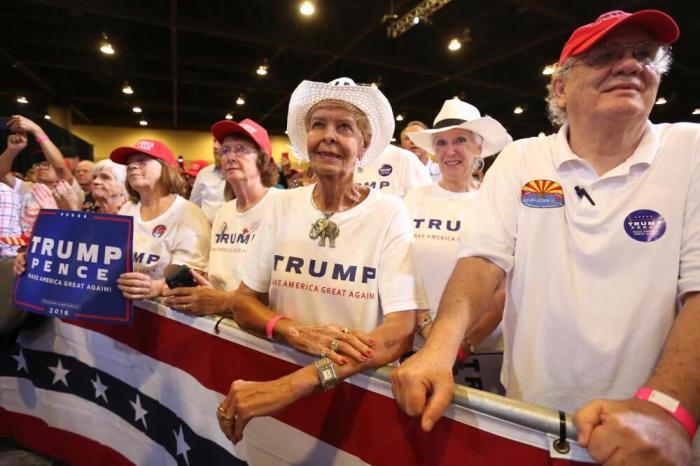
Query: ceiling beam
x,y
507,52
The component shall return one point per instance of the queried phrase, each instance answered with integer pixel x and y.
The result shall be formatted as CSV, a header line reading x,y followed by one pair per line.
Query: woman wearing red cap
x,y
249,170
168,229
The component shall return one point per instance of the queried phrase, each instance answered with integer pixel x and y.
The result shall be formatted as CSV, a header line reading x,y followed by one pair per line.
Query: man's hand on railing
x,y
424,385
632,432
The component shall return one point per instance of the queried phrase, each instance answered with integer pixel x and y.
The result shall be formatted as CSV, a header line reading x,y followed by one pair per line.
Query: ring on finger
x,y
334,345
221,412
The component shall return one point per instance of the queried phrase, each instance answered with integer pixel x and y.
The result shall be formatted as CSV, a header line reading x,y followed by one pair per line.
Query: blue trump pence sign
x,y
73,262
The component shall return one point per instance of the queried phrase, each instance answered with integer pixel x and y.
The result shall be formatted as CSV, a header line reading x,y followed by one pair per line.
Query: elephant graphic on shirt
x,y
324,228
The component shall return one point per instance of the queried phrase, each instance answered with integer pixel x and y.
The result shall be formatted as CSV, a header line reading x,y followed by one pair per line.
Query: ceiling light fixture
x,y
454,45
696,111
421,13
661,101
47,117
518,110
548,70
262,69
229,116
240,100
143,123
307,8
105,46
126,89
136,110
22,100
399,117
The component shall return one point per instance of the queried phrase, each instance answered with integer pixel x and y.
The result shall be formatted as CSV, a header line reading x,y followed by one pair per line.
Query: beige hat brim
x,y
368,99
494,135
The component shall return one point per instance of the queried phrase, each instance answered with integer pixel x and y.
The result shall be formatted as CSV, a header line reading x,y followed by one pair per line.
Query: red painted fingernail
x,y
371,341
344,361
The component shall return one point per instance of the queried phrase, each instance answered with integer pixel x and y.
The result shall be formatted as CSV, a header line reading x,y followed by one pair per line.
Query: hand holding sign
x,y
72,264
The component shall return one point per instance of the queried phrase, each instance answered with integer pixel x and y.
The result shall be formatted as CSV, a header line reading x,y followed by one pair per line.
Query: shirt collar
x,y
642,155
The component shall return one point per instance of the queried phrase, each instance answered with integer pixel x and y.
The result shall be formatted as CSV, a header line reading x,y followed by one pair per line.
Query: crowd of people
x,y
575,254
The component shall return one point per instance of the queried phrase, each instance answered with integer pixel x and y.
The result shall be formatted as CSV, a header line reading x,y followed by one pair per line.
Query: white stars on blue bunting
x,y
59,373
100,389
21,362
182,447
139,412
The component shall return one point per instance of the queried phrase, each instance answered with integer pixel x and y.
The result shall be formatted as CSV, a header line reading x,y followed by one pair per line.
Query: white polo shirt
x,y
232,234
208,190
394,171
592,290
369,273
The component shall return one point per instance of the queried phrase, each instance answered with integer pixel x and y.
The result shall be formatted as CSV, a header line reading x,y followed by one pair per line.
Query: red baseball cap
x,y
661,25
144,146
196,166
257,133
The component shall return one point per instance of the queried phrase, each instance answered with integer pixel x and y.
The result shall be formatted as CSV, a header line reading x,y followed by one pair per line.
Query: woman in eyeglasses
x,y
168,229
246,161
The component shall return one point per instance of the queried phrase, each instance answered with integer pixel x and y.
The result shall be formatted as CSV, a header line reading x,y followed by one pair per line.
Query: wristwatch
x,y
326,374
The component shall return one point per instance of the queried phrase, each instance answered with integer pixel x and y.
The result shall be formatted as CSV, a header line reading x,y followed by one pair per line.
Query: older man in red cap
x,y
597,229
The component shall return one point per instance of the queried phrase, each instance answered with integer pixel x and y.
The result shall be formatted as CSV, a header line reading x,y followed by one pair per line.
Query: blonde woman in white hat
x,y
338,269
460,139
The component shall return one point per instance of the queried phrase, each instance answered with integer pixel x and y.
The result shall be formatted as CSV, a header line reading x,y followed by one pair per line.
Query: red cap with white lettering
x,y
145,146
250,128
661,25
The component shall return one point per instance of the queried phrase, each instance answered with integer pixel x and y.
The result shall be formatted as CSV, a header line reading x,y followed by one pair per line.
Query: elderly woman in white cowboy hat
x,y
340,254
460,139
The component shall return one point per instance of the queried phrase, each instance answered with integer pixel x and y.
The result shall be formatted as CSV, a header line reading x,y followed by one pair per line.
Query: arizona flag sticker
x,y
542,194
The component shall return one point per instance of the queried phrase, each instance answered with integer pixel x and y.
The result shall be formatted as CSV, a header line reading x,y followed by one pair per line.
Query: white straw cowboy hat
x,y
458,114
367,98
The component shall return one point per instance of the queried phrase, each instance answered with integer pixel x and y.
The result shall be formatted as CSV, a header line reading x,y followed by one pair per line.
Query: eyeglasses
x,y
646,53
239,150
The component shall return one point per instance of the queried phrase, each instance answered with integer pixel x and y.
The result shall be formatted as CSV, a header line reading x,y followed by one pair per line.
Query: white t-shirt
x,y
592,290
180,235
394,171
369,273
231,236
439,217
208,191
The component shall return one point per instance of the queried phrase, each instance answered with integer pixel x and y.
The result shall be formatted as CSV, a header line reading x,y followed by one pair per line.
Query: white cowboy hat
x,y
367,98
458,114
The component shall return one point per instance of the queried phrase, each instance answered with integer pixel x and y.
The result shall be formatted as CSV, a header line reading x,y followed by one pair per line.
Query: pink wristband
x,y
671,405
41,138
271,325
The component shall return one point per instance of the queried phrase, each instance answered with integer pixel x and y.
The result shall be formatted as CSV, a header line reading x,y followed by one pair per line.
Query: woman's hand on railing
x,y
246,400
332,341
201,300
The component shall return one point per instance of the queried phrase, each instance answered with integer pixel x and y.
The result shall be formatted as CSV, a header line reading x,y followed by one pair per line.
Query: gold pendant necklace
x,y
324,227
